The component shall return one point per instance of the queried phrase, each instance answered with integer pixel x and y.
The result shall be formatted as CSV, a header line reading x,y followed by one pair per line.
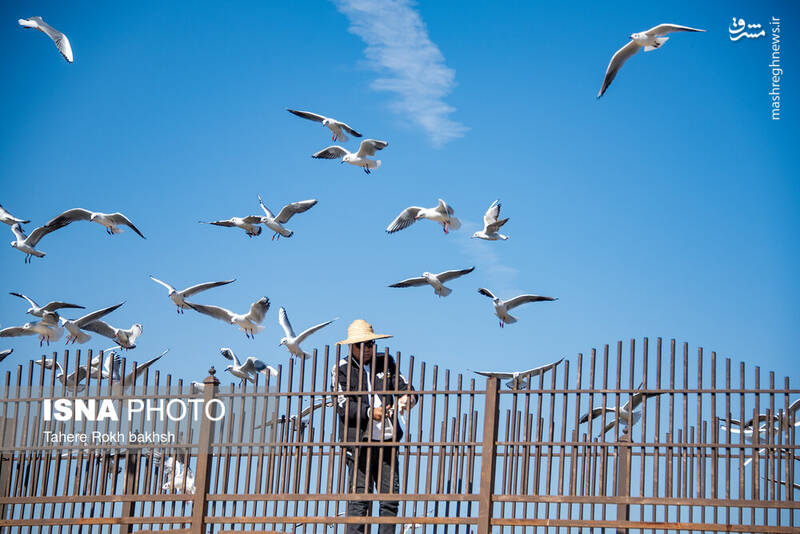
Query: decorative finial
x,y
212,371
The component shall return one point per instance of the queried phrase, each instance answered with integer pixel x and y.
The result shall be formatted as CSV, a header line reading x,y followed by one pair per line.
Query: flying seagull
x,y
291,341
780,421
244,371
110,367
249,323
38,311
520,379
110,221
125,338
5,354
359,159
437,281
442,213
74,327
502,307
276,223
333,125
627,415
178,297
249,224
491,224
7,218
47,329
27,243
70,381
61,41
650,40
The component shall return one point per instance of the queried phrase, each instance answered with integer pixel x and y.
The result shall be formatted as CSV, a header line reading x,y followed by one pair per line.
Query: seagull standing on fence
x,y
368,147
71,381
436,281
442,213
333,125
7,218
491,224
178,297
650,39
27,243
244,371
60,40
276,223
249,323
250,224
291,341
520,379
125,338
38,311
502,307
76,335
109,221
47,329
627,414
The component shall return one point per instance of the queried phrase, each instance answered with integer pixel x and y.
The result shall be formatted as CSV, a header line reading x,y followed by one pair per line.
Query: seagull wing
x,y
91,317
491,228
102,328
793,407
16,331
19,233
133,375
411,282
332,152
20,295
307,115
57,305
369,146
349,130
443,208
119,218
540,370
406,218
212,311
308,331
189,291
496,374
49,318
491,215
69,216
253,365
283,320
485,292
523,299
6,216
294,208
228,223
258,310
252,219
663,29
157,281
450,275
596,412
264,208
617,60
38,234
229,355
60,40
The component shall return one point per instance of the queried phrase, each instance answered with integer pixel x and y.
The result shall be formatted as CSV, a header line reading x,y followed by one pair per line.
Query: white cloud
x,y
411,65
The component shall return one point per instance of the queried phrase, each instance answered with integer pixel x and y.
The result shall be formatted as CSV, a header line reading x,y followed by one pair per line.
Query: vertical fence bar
x,y
488,455
204,457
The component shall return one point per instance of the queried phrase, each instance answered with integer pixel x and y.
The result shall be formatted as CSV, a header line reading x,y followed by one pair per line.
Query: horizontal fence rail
x,y
636,438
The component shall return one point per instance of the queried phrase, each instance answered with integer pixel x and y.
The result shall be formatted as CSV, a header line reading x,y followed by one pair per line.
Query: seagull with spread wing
x,y
275,223
649,40
74,327
491,224
368,147
7,218
291,341
70,381
244,371
109,366
249,323
502,307
337,128
250,224
110,221
60,40
47,329
38,311
27,243
436,281
178,297
520,379
442,213
628,415
125,338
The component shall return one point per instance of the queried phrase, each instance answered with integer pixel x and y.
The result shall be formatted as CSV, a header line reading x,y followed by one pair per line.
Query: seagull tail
x,y
445,291
659,41
374,164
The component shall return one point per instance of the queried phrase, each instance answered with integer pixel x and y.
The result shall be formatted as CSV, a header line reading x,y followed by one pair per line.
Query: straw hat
x,y
360,331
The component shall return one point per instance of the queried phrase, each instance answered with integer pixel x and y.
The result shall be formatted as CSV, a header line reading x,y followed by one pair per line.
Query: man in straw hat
x,y
369,415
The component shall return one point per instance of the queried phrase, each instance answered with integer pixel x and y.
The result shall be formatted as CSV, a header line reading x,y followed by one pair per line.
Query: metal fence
x,y
678,454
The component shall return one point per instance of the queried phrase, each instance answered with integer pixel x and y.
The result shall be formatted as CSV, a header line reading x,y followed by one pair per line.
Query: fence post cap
x,y
211,379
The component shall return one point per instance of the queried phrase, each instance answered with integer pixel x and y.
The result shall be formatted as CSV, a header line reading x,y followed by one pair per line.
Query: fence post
x,y
623,479
202,472
6,459
488,455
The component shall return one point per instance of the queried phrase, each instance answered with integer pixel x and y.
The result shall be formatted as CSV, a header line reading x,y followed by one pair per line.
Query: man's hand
x,y
405,403
378,413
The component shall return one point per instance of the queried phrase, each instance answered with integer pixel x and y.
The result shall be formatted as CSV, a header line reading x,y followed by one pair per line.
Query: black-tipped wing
x,y
294,208
212,311
494,227
102,328
16,331
406,218
308,331
663,29
253,365
491,215
495,374
450,275
258,310
523,299
119,218
617,60
348,129
7,218
91,317
485,292
30,300
307,115
368,147
38,234
411,282
189,291
332,152
229,355
536,371
69,216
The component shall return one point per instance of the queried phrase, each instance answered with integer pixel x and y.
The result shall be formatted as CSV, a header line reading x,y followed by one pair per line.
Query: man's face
x,y
366,348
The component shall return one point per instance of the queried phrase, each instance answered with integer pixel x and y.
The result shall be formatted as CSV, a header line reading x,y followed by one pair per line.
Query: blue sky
x,y
667,208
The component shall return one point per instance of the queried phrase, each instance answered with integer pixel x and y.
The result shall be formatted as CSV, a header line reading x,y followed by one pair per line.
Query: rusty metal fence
x,y
635,438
